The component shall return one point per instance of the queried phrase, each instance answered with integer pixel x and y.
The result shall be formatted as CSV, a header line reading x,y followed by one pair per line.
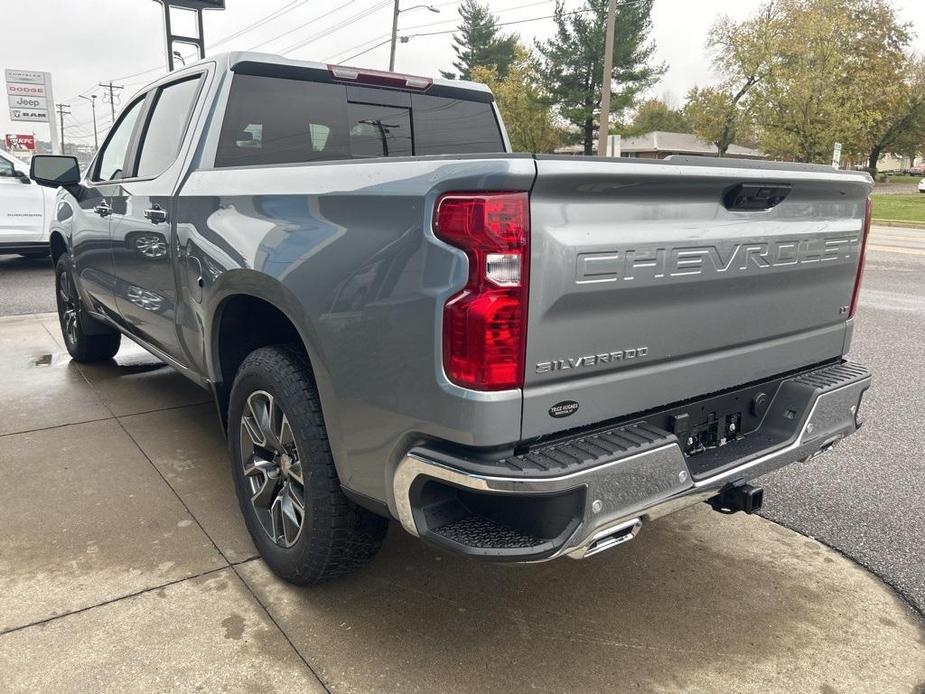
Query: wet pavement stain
x,y
234,627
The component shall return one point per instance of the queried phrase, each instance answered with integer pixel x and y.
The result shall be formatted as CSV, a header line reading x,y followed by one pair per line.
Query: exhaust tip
x,y
611,537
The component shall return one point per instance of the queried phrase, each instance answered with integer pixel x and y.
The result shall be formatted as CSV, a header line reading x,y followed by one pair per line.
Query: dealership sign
x,y
19,89
29,95
25,77
28,114
29,102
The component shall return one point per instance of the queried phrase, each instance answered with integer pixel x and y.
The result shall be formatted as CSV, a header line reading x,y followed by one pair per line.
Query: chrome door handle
x,y
103,209
156,215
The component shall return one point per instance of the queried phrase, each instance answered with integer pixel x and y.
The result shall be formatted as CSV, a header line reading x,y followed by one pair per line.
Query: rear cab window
x,y
279,120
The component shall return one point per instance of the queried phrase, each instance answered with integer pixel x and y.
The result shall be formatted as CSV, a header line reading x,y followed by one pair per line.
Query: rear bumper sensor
x,y
588,493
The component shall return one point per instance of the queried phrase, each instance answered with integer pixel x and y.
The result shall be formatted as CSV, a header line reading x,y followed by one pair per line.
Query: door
x,y
90,240
22,217
143,250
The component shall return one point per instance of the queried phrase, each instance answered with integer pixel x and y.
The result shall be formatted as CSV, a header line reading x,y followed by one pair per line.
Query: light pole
x,y
395,12
92,100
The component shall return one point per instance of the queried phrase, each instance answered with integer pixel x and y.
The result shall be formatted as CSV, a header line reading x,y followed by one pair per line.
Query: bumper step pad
x,y
590,450
484,533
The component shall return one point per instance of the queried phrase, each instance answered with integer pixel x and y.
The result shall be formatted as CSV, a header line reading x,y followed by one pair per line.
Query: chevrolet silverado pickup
x,y
517,357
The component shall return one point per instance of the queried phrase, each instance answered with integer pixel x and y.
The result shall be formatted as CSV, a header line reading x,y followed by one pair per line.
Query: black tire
x,y
100,344
335,536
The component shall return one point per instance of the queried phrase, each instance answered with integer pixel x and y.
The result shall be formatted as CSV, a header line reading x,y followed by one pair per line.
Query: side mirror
x,y
23,177
54,170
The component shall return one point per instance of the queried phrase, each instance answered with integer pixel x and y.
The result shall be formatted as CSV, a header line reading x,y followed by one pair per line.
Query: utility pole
x,y
604,129
92,100
61,114
395,13
404,39
112,97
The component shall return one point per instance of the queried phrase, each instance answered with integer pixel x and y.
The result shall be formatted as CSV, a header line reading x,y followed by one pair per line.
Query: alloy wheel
x,y
67,308
272,468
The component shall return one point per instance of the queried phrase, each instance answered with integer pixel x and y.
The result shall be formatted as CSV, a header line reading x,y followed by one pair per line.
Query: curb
x,y
898,223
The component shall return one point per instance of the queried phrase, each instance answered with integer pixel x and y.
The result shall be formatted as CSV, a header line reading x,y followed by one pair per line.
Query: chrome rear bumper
x,y
620,495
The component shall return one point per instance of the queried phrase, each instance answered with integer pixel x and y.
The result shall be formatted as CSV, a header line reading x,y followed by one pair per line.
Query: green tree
x,y
655,114
836,78
744,55
528,119
480,42
899,128
572,62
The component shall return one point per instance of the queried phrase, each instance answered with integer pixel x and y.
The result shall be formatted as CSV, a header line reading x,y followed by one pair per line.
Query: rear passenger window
x,y
274,120
270,120
166,127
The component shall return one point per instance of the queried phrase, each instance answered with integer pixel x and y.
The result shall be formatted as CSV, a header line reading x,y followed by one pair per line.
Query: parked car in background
x,y
922,186
517,357
24,210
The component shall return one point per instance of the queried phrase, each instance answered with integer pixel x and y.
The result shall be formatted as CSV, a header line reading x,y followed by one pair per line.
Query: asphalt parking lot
x,y
25,285
125,564
864,498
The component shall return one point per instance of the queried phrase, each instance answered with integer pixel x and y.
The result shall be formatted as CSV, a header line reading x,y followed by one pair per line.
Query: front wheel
x,y
84,347
304,526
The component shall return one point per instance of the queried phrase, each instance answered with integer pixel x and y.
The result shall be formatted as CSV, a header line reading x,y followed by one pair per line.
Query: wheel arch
x,y
233,336
58,245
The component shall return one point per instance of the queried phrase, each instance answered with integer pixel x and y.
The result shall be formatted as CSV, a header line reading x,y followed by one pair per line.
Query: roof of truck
x,y
232,59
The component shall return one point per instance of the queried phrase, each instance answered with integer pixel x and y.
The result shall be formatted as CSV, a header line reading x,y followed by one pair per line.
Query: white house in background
x,y
889,162
659,144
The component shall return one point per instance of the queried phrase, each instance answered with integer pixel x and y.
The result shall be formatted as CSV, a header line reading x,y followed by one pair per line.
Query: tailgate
x,y
647,290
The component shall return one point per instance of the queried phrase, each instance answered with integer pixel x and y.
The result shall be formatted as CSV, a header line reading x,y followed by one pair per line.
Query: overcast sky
x,y
84,42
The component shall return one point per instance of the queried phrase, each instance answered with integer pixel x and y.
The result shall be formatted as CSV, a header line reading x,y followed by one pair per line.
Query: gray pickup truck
x,y
517,357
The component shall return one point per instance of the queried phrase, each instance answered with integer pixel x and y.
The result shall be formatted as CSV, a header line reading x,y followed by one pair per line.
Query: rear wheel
x,y
288,489
102,343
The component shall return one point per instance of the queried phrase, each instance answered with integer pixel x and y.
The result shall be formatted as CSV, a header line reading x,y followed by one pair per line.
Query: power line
x,y
430,24
269,18
347,21
224,39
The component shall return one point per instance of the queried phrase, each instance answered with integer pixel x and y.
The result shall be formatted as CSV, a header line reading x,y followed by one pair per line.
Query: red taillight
x,y
343,73
484,325
862,257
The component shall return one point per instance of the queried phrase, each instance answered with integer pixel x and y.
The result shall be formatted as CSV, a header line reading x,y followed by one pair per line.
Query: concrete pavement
x,y
124,565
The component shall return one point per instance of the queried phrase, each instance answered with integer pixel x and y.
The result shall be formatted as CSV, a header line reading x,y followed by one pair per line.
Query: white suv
x,y
24,210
